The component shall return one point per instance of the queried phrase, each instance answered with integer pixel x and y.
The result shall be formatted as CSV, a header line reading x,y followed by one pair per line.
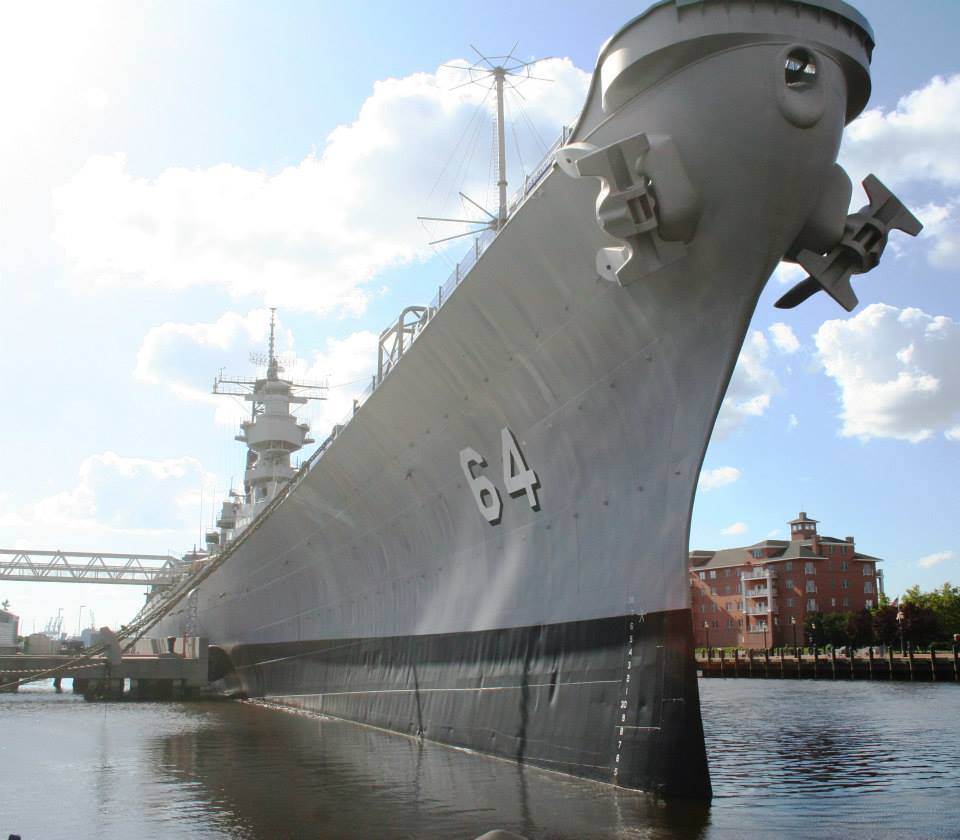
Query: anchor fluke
x,y
859,251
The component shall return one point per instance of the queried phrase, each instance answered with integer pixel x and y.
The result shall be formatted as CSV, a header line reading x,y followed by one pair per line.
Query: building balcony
x,y
758,574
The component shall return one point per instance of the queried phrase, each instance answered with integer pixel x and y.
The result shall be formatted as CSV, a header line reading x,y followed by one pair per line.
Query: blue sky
x,y
171,169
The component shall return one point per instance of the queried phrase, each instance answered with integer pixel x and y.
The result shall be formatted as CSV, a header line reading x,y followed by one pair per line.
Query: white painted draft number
x,y
518,478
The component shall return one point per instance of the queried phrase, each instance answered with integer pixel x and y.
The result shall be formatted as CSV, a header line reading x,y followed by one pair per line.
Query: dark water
x,y
788,759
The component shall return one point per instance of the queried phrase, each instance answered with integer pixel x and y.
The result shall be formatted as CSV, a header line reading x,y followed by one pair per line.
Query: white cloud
x,y
917,140
719,477
752,386
118,503
941,225
897,372
735,528
182,356
788,274
784,338
348,364
935,559
915,143
792,422
96,99
312,235
185,357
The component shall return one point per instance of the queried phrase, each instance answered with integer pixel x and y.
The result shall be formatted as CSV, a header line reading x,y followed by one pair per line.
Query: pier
x,y
150,669
927,666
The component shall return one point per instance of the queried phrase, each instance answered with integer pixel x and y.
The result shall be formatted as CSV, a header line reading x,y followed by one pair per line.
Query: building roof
x,y
777,550
6,617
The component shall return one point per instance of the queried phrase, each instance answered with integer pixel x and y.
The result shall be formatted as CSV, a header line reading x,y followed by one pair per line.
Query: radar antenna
x,y
494,72
270,360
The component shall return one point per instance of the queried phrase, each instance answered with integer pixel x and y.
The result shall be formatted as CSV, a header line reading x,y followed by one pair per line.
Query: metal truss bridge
x,y
87,567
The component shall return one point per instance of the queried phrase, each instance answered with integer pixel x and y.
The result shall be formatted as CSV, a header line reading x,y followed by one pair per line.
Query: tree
x,y
919,624
834,628
813,629
944,603
886,631
5,604
859,628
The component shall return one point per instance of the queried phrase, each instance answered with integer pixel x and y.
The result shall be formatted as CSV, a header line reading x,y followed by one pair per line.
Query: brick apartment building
x,y
759,595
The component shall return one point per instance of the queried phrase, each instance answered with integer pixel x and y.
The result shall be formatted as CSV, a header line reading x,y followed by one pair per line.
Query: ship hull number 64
x,y
518,478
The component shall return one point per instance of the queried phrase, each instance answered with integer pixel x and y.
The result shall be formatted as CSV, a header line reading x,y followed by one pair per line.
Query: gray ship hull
x,y
560,633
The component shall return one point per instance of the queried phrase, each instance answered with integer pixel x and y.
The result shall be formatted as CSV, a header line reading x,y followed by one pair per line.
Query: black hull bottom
x,y
609,699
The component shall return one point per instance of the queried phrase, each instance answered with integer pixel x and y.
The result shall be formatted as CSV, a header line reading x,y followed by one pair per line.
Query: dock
x,y
928,666
146,671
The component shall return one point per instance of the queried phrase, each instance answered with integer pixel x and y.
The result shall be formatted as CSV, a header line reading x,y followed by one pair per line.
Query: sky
x,y
170,170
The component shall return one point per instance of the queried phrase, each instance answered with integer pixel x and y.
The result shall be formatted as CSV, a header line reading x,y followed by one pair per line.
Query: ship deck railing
x,y
460,271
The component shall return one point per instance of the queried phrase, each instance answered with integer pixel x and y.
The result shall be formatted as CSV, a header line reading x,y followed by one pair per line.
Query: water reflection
x,y
796,760
287,775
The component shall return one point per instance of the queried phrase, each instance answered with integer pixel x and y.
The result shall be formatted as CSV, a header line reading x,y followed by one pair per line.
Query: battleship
x,y
491,551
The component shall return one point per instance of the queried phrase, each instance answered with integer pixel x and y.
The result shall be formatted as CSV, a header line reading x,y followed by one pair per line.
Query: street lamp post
x,y
706,627
900,617
813,636
793,625
764,626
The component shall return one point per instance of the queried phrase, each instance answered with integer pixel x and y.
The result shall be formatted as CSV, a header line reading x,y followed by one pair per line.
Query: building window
x,y
713,574
789,583
868,587
789,602
844,565
739,588
811,605
713,607
729,623
776,621
808,568
726,572
740,622
788,566
811,586
846,602
757,552
703,608
867,570
844,584
833,602
869,603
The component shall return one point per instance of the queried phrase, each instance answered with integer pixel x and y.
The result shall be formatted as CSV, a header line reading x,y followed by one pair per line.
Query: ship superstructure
x,y
492,551
272,435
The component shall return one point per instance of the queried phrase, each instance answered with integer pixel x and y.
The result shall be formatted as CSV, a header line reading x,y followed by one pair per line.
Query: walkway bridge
x,y
87,567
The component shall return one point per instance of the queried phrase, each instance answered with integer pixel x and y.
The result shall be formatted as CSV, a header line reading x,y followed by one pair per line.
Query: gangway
x,y
88,567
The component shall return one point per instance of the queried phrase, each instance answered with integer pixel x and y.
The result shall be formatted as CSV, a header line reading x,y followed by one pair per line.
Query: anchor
x,y
859,250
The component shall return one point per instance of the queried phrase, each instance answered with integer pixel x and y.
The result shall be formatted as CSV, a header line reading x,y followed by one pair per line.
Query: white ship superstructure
x,y
272,435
